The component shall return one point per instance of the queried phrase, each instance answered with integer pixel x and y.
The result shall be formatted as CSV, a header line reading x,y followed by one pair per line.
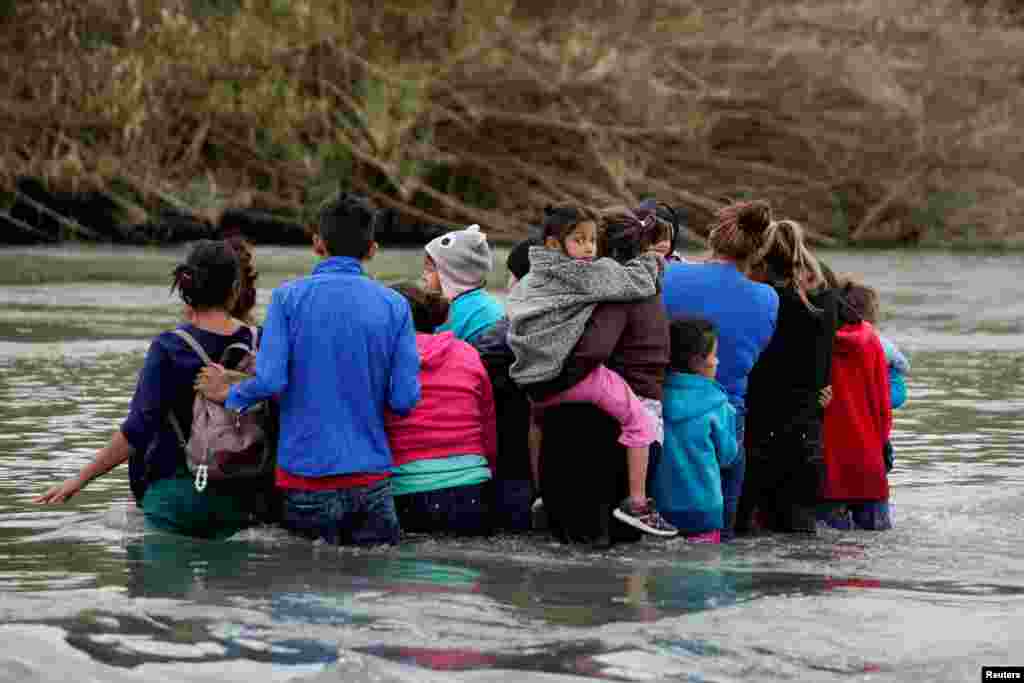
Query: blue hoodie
x,y
700,439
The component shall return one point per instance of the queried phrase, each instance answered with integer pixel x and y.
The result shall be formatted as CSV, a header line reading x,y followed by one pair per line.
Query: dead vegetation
x,y
869,120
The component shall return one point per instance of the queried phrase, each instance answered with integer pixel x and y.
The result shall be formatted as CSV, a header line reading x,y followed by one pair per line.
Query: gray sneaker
x,y
646,519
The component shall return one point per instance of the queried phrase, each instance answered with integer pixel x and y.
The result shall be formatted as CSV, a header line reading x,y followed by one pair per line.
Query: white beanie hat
x,y
463,259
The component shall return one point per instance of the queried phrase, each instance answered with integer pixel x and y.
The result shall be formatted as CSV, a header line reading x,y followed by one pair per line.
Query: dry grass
x,y
868,120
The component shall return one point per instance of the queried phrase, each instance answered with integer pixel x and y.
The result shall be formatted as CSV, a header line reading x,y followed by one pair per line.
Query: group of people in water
x,y
751,386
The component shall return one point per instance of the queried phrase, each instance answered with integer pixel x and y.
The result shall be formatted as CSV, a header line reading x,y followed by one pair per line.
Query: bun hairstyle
x,y
628,232
739,229
560,221
209,277
787,261
429,309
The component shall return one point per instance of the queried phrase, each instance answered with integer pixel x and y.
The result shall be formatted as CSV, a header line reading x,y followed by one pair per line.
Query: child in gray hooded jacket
x,y
548,311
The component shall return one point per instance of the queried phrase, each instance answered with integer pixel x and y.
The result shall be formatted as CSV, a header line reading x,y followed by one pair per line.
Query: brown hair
x,y
627,233
561,221
740,228
787,260
429,309
862,298
246,301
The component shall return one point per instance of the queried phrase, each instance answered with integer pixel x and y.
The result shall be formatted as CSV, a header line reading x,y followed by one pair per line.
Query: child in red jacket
x,y
857,425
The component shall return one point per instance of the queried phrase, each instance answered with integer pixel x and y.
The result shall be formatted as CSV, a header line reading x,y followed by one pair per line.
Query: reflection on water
x,y
935,598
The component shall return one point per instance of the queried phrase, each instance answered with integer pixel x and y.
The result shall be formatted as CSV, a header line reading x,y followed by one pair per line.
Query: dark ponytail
x,y
209,276
429,310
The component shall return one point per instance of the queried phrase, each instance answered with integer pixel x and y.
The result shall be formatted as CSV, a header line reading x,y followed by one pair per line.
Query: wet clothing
x,y
173,504
859,418
784,465
461,510
631,339
363,515
338,349
471,314
165,384
700,439
549,309
743,312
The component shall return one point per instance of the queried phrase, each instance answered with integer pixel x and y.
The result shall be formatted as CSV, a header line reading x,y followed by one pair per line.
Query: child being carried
x,y
548,312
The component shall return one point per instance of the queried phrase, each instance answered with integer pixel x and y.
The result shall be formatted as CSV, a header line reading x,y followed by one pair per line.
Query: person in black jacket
x,y
788,387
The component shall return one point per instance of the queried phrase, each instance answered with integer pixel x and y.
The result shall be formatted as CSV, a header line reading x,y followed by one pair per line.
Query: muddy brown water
x,y
87,594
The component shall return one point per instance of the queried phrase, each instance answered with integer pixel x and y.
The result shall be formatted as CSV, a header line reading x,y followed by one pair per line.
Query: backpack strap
x,y
196,346
203,356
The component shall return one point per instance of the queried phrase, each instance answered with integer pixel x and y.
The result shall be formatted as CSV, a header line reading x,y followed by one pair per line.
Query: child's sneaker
x,y
646,519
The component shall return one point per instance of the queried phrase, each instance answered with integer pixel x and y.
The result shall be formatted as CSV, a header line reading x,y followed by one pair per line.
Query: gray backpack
x,y
225,444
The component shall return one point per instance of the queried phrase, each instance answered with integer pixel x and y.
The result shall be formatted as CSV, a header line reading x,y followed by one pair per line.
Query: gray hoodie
x,y
550,307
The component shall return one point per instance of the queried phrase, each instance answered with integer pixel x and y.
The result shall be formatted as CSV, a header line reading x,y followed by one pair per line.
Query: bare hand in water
x,y
62,493
212,382
825,397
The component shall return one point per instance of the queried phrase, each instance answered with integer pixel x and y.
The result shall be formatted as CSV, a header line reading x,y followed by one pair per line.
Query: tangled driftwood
x,y
897,121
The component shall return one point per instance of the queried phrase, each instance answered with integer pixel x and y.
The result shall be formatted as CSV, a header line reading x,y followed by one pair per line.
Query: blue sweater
x,y
471,314
337,349
899,366
744,313
700,439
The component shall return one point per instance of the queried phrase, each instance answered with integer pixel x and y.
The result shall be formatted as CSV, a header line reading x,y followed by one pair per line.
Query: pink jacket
x,y
455,415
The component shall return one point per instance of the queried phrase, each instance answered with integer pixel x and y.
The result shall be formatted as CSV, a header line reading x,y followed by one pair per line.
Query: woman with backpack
x,y
149,440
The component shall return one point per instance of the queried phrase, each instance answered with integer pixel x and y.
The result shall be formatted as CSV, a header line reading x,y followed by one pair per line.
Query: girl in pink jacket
x,y
444,450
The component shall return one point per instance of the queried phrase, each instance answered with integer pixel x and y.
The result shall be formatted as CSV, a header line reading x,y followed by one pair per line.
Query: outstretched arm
x,y
110,456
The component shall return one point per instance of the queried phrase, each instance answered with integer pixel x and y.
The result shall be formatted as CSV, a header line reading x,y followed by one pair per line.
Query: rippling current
x,y
87,594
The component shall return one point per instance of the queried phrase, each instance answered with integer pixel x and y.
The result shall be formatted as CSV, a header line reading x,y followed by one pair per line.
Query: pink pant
x,y
609,392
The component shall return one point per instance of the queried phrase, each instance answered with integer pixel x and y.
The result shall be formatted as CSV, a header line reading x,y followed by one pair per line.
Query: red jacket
x,y
858,420
455,415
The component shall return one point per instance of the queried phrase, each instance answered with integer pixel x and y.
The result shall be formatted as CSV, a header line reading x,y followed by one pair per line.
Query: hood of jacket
x,y
853,338
434,348
702,396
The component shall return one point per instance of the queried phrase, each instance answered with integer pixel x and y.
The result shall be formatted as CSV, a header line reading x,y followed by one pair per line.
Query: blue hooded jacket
x,y
700,439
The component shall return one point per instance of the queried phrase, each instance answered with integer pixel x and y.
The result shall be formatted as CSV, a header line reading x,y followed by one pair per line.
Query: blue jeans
x,y
732,482
869,516
460,510
363,515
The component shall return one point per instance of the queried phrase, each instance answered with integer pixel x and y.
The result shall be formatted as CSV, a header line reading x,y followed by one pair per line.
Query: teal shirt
x,y
471,314
700,439
439,473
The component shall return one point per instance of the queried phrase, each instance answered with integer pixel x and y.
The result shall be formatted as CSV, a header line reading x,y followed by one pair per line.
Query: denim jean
x,y
868,516
460,510
362,515
732,482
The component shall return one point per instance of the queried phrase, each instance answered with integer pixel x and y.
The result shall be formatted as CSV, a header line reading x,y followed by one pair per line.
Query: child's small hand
x,y
825,397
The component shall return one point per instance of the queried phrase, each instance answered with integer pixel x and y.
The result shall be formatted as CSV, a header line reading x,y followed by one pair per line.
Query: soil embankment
x,y
141,122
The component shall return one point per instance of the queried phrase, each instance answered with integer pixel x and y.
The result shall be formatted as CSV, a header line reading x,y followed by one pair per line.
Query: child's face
x,y
431,278
581,243
708,366
662,248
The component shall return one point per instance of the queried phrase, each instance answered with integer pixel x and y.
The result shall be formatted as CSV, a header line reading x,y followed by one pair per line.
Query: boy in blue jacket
x,y
700,435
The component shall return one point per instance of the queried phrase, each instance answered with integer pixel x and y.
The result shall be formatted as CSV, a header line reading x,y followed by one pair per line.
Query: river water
x,y
87,594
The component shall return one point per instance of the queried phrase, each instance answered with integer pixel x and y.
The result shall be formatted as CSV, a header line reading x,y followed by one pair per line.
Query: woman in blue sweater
x,y
744,313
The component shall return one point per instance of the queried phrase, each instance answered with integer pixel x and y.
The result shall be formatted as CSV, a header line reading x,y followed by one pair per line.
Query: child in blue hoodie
x,y
700,435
